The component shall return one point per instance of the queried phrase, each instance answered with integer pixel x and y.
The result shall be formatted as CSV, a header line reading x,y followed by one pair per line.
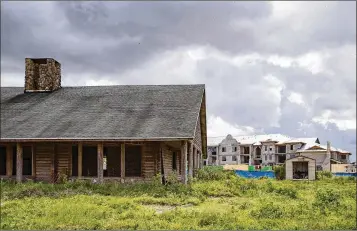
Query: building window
x,y
234,158
223,149
343,157
246,150
214,153
234,149
266,148
318,168
224,158
291,147
265,157
270,157
174,163
270,148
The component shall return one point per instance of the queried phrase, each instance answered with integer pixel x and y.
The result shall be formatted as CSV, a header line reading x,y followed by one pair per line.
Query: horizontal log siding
x,y
150,161
44,156
167,158
64,158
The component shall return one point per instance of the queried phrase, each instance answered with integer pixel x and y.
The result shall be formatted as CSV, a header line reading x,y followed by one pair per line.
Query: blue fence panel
x,y
254,174
345,174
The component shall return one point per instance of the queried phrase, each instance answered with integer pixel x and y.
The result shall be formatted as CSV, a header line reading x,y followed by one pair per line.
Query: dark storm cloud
x,y
114,39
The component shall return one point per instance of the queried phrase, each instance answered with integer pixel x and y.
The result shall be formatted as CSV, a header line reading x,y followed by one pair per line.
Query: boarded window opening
x,y
133,160
113,161
2,160
75,160
89,161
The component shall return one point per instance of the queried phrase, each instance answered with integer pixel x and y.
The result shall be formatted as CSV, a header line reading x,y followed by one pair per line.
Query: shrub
x,y
320,175
268,210
327,198
290,192
279,172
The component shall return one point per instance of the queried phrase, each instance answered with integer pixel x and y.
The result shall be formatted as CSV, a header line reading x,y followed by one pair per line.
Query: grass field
x,y
224,202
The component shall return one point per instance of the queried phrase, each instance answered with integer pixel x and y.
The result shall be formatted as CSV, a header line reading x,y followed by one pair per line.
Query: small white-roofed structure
x,y
300,168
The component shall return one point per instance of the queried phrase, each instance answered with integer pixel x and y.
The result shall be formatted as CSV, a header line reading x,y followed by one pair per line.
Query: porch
x,y
99,161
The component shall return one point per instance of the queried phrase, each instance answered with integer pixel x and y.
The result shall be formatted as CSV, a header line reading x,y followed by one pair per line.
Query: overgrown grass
x,y
217,200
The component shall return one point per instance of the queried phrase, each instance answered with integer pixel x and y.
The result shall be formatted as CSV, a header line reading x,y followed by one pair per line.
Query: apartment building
x,y
271,149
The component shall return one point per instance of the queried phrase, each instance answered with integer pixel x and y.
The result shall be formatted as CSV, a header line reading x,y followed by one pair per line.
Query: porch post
x,y
190,160
19,162
9,160
80,154
184,161
122,162
100,162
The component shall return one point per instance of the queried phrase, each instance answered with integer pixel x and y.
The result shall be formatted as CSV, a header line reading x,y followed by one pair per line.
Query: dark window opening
x,y
281,158
281,149
89,161
224,158
74,160
14,160
112,161
234,149
266,148
223,149
174,158
234,158
27,161
214,153
258,152
2,160
245,150
343,157
318,168
245,159
132,160
291,147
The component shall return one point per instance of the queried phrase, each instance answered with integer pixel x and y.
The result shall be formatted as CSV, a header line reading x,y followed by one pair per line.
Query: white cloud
x,y
342,124
216,126
297,98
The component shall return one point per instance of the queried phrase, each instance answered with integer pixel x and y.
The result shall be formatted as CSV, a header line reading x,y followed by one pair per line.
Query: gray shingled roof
x,y
101,112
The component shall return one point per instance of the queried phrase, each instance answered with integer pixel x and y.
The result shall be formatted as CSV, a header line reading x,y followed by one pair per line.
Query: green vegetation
x,y
217,200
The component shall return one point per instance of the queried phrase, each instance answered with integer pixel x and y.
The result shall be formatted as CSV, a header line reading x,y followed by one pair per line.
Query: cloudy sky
x,y
269,67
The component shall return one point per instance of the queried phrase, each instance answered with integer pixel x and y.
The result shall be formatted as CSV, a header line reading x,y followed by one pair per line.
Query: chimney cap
x,y
42,60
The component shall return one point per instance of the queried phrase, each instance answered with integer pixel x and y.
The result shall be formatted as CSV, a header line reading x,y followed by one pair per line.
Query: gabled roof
x,y
102,112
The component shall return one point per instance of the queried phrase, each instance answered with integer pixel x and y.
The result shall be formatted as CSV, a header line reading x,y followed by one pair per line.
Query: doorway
x,y
300,170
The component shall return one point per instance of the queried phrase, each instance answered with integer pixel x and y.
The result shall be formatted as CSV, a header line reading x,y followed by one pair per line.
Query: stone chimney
x,y
42,75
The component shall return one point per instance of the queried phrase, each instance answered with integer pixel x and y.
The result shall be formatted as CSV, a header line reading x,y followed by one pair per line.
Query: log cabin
x,y
123,132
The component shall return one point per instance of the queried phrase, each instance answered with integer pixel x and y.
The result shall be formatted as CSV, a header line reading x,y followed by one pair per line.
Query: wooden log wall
x,y
44,156
64,159
167,159
150,159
